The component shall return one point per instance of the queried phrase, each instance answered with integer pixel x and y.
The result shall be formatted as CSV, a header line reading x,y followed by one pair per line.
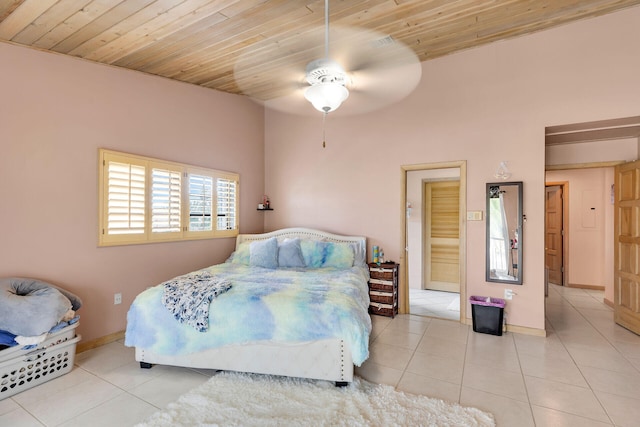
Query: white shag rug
x,y
236,399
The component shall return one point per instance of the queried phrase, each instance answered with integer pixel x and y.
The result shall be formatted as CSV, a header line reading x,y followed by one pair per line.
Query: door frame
x,y
403,285
565,227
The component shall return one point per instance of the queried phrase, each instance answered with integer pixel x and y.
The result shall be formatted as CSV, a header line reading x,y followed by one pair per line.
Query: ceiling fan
x,y
322,68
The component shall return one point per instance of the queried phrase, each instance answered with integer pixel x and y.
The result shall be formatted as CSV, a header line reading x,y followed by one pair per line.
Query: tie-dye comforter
x,y
279,305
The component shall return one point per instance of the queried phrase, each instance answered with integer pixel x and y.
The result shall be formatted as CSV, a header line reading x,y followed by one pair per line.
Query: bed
x,y
303,314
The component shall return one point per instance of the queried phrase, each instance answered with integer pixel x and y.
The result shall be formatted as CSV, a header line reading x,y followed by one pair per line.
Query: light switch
x,y
474,215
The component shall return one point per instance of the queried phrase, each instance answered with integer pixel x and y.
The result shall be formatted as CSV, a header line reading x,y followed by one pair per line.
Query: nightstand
x,y
383,289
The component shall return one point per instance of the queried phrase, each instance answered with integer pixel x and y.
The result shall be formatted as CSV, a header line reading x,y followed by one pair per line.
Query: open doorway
x,y
433,278
582,254
583,155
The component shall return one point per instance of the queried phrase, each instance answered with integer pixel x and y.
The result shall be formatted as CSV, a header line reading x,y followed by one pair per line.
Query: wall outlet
x,y
508,294
117,298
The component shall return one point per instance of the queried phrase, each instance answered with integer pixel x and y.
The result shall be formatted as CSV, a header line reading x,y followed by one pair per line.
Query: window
x,y
146,200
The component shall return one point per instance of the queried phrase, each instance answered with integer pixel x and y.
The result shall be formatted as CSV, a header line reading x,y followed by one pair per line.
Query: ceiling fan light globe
x,y
326,97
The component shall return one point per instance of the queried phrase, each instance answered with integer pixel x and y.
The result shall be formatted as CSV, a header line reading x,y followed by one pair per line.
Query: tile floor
x,y
586,372
443,305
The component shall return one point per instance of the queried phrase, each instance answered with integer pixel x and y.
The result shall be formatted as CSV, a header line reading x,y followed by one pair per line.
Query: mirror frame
x,y
519,223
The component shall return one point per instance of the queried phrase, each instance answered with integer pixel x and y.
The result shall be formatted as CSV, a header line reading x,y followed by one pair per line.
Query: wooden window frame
x,y
145,234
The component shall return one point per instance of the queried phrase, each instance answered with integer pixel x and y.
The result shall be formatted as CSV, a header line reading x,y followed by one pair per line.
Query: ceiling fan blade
x,y
380,71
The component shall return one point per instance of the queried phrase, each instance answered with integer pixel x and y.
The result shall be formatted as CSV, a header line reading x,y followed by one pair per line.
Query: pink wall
x,y
54,115
482,105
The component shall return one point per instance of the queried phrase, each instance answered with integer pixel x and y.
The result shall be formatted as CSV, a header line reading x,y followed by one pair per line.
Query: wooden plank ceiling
x,y
199,41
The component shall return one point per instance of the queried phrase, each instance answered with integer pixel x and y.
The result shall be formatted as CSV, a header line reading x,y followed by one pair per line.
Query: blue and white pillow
x,y
290,254
339,255
264,253
318,254
242,253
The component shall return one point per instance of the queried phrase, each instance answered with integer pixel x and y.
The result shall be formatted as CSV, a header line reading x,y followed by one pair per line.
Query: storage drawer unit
x,y
383,289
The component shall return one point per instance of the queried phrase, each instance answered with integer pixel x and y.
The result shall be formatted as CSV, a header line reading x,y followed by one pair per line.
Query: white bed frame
x,y
328,359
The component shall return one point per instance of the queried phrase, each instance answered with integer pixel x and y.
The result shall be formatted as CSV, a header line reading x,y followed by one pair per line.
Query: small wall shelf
x,y
265,209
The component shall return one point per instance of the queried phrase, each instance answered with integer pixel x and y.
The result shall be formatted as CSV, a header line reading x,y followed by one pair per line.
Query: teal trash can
x,y
488,314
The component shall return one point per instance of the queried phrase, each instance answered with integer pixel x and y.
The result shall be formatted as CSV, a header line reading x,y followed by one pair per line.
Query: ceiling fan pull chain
x,y
324,119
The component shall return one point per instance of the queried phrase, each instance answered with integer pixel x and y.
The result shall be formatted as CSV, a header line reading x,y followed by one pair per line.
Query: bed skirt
x,y
328,359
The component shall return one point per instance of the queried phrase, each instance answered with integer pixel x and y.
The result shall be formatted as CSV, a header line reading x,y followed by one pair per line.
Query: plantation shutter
x,y
226,203
166,188
200,202
125,213
143,200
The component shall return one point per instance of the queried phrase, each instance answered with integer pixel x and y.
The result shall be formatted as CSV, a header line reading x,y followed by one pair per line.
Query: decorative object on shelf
x,y
376,253
265,205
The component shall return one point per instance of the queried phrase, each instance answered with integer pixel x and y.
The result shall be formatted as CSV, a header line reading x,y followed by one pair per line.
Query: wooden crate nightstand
x,y
383,289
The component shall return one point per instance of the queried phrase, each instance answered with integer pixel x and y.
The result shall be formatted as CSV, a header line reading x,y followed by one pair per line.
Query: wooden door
x,y
442,236
554,234
627,246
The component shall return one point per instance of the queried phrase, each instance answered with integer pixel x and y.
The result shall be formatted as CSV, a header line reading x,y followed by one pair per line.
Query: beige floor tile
x,y
18,417
586,301
106,358
428,386
545,417
399,338
378,324
493,352
617,334
554,369
442,368
448,329
587,338
567,398
507,384
442,347
620,383
609,359
66,397
411,324
389,355
131,375
549,346
169,386
506,412
635,361
7,405
123,410
623,410
628,349
379,374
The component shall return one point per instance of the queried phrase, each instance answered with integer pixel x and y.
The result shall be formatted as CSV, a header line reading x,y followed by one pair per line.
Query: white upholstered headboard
x,y
309,234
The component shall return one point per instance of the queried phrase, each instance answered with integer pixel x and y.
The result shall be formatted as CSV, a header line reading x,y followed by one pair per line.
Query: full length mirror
x,y
504,232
